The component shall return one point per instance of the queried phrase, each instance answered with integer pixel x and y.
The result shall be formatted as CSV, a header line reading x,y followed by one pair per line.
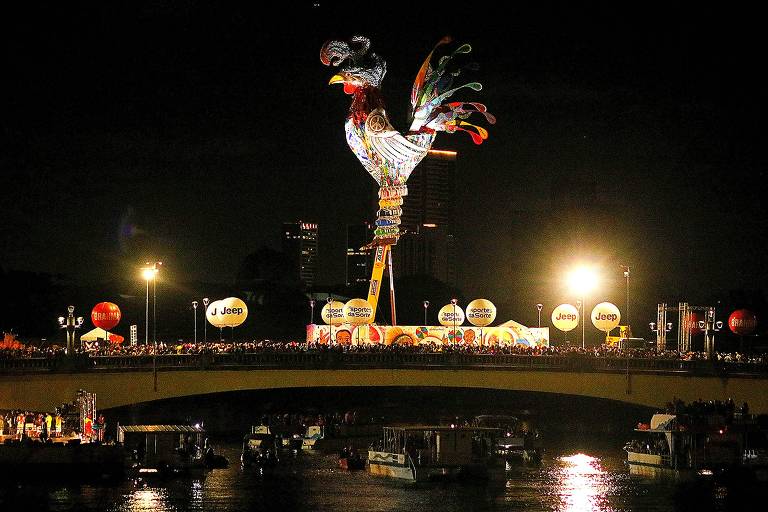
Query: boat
x,y
260,448
168,450
425,452
517,444
333,438
351,460
691,444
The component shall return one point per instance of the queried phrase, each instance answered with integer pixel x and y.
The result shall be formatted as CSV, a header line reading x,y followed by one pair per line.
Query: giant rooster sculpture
x,y
387,155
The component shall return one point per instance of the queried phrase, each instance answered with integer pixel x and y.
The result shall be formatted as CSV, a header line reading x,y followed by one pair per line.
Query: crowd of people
x,y
270,346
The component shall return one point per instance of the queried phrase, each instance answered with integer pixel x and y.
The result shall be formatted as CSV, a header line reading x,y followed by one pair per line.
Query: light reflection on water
x,y
583,486
568,480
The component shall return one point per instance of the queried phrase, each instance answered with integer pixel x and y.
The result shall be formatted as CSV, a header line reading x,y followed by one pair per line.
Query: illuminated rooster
x,y
387,155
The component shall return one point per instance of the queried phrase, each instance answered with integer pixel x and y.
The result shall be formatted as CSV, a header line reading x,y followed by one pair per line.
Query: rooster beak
x,y
336,79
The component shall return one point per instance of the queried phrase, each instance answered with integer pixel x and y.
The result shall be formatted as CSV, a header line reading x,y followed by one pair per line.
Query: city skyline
x,y
194,154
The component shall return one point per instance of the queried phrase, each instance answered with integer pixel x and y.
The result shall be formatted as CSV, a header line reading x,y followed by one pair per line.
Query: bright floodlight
x,y
148,273
582,280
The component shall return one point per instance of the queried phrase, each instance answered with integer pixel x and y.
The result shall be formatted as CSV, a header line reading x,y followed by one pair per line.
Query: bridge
x,y
42,384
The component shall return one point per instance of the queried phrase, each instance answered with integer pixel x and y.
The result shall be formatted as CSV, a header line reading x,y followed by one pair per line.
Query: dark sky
x,y
187,131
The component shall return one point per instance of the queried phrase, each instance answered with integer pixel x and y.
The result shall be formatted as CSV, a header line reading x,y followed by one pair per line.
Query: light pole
x,y
426,307
194,306
155,269
580,308
539,307
659,329
454,301
625,268
70,323
582,280
329,300
311,311
148,274
710,327
206,300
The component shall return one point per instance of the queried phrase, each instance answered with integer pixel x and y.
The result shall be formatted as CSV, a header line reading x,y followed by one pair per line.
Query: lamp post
x,y
539,307
155,269
454,301
426,307
710,327
311,311
582,280
329,300
660,329
580,308
70,323
625,268
148,274
206,300
194,306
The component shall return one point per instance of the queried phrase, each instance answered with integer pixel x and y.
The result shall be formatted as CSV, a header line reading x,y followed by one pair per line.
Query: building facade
x,y
300,249
428,221
358,269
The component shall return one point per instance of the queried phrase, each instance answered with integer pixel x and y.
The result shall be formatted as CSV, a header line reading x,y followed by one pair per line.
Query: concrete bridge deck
x,y
42,384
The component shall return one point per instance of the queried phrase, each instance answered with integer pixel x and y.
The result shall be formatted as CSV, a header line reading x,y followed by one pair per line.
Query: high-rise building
x,y
428,221
358,261
300,248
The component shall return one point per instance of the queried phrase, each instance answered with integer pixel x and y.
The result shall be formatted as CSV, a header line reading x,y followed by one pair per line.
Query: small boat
x,y
168,450
260,448
424,452
351,460
516,444
696,444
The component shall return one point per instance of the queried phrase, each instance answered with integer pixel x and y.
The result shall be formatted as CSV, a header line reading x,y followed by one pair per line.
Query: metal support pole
x,y
392,289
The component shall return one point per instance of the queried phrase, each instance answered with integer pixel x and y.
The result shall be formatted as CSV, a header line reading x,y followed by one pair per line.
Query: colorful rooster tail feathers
x,y
433,86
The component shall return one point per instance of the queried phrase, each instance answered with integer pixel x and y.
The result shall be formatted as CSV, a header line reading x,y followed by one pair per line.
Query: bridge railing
x,y
353,360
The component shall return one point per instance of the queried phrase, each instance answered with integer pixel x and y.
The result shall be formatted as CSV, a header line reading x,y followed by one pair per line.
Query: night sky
x,y
188,131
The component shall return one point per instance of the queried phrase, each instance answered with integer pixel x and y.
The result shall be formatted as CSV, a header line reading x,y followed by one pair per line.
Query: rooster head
x,y
357,67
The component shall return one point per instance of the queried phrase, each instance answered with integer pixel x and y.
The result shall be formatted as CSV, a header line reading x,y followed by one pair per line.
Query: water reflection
x,y
153,499
582,484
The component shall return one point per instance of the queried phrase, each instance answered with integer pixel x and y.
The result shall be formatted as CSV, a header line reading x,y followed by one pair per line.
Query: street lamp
x,y
206,300
155,269
582,280
454,301
329,300
539,307
710,327
426,307
70,323
148,274
194,306
311,311
660,329
625,268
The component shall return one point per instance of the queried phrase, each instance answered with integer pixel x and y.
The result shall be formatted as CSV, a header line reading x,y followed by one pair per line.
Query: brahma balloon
x,y
742,322
605,316
105,315
565,317
450,315
333,313
691,321
358,312
481,312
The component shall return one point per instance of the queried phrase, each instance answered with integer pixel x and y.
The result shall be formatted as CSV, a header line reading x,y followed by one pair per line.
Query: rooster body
x,y
387,155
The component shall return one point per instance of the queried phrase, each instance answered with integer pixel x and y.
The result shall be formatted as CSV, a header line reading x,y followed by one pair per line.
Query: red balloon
x,y
105,315
742,322
692,320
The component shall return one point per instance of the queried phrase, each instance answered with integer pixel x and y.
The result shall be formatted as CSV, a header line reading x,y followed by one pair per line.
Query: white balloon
x,y
333,313
606,316
211,314
565,317
450,315
481,312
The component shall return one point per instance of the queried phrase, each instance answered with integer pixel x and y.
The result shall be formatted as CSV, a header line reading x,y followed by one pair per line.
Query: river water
x,y
583,467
